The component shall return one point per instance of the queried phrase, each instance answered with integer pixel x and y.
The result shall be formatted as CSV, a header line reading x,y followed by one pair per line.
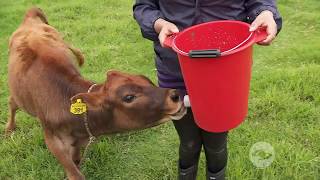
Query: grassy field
x,y
284,105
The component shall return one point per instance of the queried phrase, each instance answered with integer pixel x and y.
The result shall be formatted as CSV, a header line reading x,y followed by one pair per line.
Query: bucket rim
x,y
249,41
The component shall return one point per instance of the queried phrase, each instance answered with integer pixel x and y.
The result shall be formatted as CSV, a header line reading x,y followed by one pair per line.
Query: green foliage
x,y
283,110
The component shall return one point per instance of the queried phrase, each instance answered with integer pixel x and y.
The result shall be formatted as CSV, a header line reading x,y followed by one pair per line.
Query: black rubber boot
x,y
216,176
188,174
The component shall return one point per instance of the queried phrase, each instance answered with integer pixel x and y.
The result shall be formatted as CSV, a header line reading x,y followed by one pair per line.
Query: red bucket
x,y
216,60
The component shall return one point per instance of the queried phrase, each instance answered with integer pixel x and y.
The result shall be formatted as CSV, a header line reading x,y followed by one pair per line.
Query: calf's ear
x,y
113,76
94,101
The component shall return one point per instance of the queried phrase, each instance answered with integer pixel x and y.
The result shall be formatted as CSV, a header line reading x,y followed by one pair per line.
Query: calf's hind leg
x,y
11,124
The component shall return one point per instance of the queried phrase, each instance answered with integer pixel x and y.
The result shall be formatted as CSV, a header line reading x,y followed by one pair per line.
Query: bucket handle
x,y
206,53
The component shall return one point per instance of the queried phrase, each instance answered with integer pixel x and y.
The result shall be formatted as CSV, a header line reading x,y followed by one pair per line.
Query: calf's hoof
x,y
78,177
10,127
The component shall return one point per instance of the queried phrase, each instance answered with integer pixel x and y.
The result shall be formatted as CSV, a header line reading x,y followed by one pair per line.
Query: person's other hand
x,y
265,19
164,29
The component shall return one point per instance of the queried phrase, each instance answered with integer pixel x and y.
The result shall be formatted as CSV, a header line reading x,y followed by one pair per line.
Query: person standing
x,y
159,19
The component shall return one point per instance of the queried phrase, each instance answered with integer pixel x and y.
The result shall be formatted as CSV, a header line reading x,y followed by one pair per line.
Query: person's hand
x,y
164,29
265,19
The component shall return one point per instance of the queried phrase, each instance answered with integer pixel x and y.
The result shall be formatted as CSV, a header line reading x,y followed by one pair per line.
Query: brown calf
x,y
44,81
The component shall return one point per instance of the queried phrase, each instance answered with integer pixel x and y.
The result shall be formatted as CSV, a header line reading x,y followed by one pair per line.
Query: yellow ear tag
x,y
78,107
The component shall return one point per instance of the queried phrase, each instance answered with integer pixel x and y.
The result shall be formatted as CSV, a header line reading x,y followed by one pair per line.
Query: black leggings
x,y
191,140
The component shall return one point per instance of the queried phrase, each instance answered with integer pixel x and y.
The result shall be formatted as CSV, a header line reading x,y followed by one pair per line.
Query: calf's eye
x,y
128,98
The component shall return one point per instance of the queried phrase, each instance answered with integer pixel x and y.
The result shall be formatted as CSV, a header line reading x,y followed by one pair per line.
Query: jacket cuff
x,y
150,32
154,21
253,15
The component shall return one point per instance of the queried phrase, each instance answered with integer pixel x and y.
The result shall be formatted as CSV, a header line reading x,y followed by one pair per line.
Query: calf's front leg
x,y
63,151
76,155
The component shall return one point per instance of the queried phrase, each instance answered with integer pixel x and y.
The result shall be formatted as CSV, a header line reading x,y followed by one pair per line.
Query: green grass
x,y
283,109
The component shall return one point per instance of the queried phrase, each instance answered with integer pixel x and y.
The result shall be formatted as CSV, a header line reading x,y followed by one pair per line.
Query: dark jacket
x,y
186,13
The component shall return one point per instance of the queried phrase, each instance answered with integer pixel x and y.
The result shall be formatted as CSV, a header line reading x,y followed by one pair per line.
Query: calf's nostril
x,y
174,97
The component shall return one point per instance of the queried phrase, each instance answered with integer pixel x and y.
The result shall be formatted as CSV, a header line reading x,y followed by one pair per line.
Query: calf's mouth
x,y
182,110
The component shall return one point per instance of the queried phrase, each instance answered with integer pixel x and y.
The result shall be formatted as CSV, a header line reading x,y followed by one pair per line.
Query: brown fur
x,y
43,78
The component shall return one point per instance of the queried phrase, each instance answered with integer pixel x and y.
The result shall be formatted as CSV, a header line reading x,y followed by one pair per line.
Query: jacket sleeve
x,y
255,7
146,12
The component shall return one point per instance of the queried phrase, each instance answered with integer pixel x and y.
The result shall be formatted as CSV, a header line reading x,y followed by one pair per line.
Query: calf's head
x,y
133,102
